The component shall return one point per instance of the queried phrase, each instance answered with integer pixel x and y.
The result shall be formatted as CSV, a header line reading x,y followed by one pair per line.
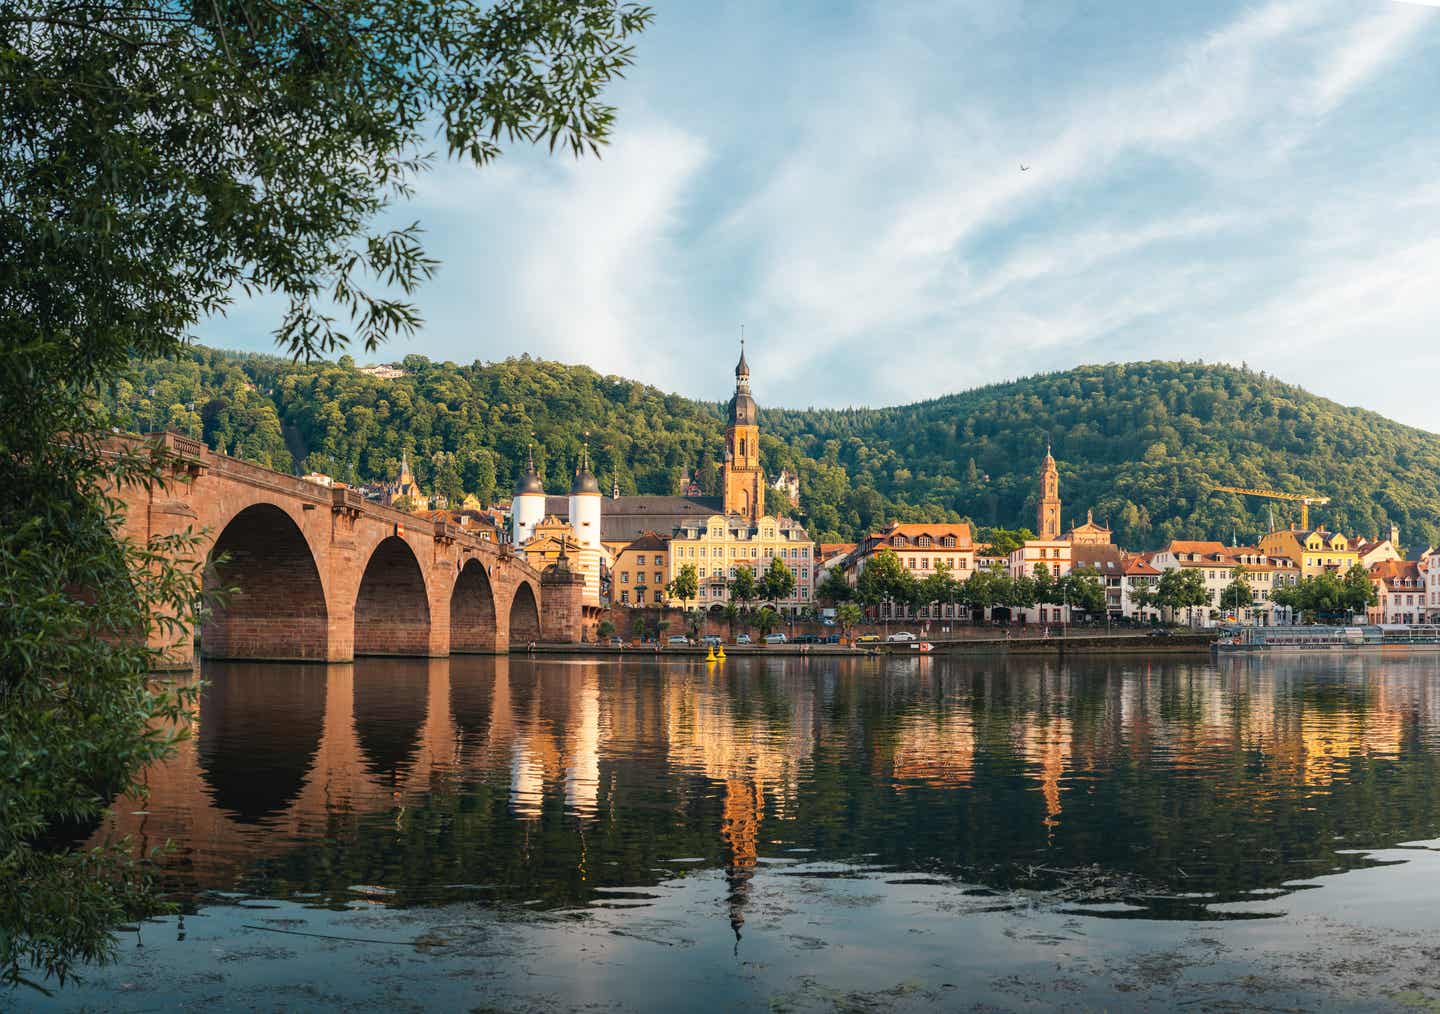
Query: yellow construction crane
x,y
1304,500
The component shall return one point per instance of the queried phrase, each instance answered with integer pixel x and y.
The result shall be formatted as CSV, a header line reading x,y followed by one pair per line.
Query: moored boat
x,y
1375,637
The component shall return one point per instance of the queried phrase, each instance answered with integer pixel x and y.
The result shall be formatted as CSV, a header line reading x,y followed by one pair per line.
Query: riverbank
x,y
1089,644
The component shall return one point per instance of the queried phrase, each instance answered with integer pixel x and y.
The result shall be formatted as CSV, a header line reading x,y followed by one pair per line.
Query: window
x,y
659,577
625,598
948,542
702,572
624,577
805,572
923,542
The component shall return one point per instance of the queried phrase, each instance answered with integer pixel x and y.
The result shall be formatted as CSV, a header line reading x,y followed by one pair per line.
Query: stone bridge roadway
x,y
322,574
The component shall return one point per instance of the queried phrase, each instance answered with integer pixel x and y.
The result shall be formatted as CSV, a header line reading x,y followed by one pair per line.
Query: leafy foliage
x,y
157,160
685,585
1328,596
1142,444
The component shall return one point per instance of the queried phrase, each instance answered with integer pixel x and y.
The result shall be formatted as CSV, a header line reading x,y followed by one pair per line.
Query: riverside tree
x,y
1238,593
158,161
778,582
685,585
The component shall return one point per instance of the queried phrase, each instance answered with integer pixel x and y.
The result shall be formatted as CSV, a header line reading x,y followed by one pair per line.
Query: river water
x,y
794,834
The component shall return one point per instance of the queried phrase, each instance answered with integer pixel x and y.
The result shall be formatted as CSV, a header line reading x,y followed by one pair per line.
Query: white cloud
x,y
895,242
1373,43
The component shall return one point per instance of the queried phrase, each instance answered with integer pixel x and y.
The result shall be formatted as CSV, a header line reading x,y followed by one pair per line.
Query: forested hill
x,y
1138,443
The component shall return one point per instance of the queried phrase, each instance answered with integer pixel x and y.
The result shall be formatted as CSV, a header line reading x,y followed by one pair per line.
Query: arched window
x,y
742,447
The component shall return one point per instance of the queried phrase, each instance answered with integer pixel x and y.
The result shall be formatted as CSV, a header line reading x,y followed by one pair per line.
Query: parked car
x,y
678,639
808,639
743,639
775,638
712,639
827,621
900,637
617,642
868,639
832,639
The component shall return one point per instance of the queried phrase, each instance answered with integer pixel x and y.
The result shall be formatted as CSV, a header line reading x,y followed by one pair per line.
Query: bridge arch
x,y
272,601
524,616
473,624
392,606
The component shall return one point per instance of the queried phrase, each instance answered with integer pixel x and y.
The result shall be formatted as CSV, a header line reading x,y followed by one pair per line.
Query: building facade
x,y
1216,563
641,572
923,549
1313,551
722,545
1401,593
1430,570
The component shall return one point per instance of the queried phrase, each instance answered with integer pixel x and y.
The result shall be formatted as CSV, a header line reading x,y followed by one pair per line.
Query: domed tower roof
x,y
585,481
742,407
742,410
529,483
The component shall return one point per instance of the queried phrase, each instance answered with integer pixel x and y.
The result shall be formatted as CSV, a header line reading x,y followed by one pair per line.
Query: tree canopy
x,y
158,161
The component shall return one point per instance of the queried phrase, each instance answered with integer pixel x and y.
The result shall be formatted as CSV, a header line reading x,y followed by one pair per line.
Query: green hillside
x,y
1138,443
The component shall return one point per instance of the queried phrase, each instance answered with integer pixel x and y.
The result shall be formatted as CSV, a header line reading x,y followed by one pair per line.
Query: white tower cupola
x,y
527,508
585,501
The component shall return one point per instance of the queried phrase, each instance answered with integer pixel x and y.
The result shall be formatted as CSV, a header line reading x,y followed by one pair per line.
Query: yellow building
x,y
1314,551
641,571
724,544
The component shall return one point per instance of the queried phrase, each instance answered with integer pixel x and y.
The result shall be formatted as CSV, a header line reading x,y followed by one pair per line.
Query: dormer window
x,y
923,542
948,542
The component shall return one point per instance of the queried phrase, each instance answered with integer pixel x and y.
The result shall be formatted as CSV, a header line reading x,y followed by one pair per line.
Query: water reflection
x,y
556,781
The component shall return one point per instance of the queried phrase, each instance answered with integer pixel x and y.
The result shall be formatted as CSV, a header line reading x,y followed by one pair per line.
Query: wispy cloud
x,y
1229,180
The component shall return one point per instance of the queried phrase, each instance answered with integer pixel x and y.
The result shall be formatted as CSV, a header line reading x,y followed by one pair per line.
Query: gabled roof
x,y
1138,566
1391,571
1179,546
649,541
1106,559
912,531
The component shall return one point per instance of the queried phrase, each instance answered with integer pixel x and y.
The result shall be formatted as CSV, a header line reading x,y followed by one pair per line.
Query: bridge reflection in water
x,y
553,780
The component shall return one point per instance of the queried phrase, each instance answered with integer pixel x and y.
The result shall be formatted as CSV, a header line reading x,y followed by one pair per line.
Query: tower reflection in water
x,y
550,781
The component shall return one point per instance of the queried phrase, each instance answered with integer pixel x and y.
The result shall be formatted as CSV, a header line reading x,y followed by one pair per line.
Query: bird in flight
x,y
1024,168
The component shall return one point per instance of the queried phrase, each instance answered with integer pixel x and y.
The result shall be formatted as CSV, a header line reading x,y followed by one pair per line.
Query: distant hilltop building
x,y
787,483
384,371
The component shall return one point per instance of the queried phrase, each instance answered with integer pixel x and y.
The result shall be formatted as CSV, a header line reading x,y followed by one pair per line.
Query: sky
x,y
1236,182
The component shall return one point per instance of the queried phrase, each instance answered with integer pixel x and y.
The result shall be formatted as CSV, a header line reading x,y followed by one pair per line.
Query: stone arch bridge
x,y
320,574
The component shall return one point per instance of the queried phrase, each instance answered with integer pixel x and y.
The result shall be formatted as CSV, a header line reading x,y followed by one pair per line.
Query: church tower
x,y
741,477
1047,524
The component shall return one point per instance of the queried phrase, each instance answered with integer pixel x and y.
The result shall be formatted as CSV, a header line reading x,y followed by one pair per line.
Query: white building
x,y
1430,568
1055,556
1401,593
1216,563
